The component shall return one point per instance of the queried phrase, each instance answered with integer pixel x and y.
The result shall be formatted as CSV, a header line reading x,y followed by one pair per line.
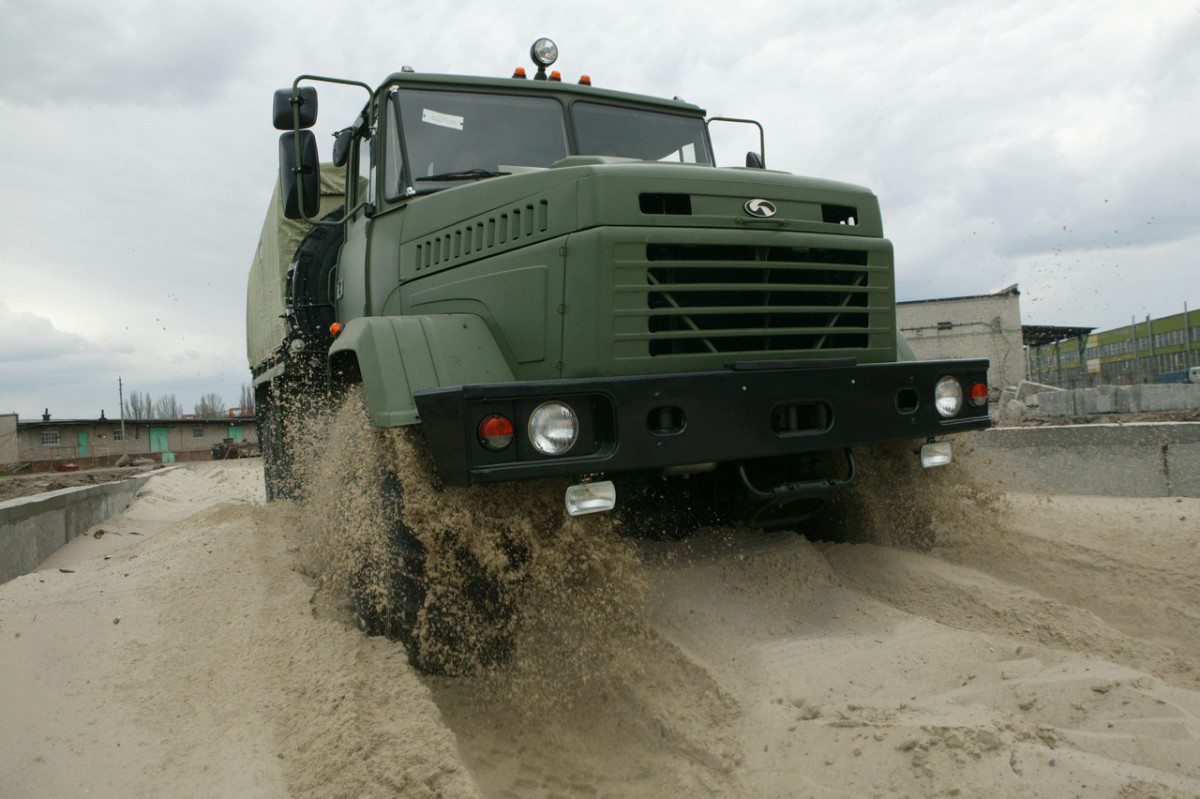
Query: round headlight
x,y
553,428
544,52
948,396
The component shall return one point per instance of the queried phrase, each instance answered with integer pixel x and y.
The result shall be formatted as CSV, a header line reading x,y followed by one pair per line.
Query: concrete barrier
x,y
1142,397
32,528
1131,460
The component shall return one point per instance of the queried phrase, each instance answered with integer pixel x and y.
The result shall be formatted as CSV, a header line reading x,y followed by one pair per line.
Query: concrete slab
x,y
1133,460
1056,403
1140,398
1028,390
31,528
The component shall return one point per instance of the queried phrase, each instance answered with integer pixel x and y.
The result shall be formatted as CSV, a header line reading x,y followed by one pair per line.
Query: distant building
x,y
8,439
48,443
1150,351
980,326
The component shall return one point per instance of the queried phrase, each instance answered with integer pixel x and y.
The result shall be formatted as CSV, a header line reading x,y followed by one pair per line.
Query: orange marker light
x,y
556,75
335,328
585,80
519,72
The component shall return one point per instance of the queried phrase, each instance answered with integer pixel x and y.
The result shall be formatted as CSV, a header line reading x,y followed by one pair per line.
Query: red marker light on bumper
x,y
977,394
495,432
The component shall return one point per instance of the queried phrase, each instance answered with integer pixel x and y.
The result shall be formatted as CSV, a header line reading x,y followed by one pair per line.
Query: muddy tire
x,y
310,308
419,582
400,573
276,461
285,408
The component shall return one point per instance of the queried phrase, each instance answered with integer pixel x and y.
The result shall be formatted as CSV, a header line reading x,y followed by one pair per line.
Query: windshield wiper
x,y
466,174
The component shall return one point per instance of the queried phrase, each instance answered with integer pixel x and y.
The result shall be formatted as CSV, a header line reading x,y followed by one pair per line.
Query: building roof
x,y
128,422
1011,291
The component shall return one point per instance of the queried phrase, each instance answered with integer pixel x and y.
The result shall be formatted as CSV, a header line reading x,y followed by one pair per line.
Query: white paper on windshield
x,y
441,120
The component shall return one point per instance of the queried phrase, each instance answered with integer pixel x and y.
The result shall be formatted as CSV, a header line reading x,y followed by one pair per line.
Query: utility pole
x,y
1150,346
1137,356
1058,361
1187,337
121,395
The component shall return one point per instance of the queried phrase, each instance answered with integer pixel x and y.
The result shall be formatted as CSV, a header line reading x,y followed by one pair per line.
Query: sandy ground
x,y
1049,646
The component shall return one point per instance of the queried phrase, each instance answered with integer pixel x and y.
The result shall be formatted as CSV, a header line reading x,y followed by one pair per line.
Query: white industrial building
x,y
982,326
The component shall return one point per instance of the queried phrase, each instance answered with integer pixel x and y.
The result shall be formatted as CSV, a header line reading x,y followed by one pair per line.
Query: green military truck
x,y
551,279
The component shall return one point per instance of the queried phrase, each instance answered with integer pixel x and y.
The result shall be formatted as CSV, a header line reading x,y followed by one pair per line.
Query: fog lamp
x,y
948,396
591,498
935,454
553,428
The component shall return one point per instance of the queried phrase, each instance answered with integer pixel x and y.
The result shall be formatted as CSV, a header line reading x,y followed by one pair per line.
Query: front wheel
x,y
421,584
437,568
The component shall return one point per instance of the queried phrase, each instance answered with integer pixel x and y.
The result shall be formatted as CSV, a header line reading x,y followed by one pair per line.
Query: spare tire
x,y
309,293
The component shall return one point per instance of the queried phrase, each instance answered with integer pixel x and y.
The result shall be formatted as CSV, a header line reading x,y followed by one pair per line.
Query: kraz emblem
x,y
760,208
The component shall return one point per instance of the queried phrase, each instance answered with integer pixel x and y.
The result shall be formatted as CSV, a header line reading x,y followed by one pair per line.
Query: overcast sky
x,y
1048,144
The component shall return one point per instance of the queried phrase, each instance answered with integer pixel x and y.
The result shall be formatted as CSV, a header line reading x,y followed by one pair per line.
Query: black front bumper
x,y
652,422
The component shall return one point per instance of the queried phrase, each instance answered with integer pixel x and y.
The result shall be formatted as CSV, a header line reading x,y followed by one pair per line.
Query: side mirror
x,y
754,160
306,99
341,146
301,178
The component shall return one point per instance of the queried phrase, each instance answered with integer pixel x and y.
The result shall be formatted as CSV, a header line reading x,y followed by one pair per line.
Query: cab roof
x,y
529,86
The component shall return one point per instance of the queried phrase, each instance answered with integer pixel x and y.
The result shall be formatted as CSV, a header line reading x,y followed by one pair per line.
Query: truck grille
x,y
705,298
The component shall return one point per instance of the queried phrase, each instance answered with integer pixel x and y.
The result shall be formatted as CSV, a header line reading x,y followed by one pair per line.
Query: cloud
x,y
137,52
29,339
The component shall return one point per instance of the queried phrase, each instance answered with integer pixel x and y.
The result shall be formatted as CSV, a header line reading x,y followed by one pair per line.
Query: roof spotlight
x,y
544,53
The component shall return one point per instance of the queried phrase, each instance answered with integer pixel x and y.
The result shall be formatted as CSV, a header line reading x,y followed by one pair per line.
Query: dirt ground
x,y
1048,646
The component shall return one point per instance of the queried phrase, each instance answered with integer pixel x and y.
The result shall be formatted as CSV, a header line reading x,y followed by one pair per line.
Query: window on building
x,y
118,434
197,432
49,438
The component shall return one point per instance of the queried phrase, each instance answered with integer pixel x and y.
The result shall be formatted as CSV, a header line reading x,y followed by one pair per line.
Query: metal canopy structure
x,y
1040,335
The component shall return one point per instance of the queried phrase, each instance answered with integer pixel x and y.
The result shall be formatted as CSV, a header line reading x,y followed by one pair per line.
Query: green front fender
x,y
397,355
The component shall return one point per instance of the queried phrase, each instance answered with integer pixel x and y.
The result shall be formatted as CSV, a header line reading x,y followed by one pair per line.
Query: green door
x,y
235,432
158,439
83,445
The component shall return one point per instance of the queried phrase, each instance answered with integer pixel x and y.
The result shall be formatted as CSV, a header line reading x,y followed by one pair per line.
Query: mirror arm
x,y
762,136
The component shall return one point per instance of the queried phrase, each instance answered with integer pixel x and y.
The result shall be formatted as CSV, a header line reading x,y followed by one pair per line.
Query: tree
x,y
167,407
247,399
138,405
210,406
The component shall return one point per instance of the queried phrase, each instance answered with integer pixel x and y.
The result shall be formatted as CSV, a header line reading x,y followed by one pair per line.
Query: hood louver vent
x,y
484,236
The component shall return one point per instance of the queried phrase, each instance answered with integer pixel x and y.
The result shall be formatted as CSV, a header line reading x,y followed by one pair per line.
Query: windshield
x,y
638,133
451,136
